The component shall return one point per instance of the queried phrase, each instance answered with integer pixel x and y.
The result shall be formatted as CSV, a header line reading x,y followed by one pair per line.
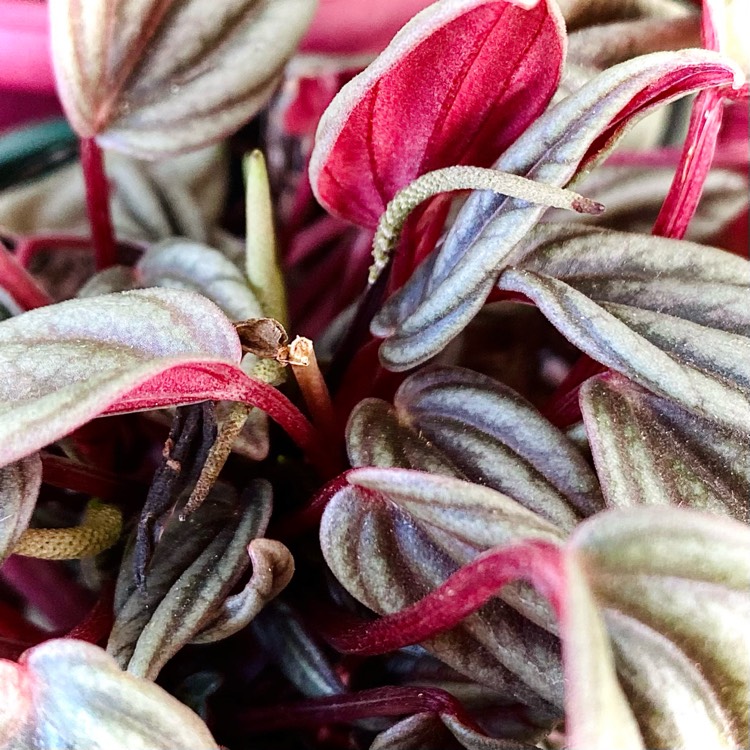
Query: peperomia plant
x,y
502,501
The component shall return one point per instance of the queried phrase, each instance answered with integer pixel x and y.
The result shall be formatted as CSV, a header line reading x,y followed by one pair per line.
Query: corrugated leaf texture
x,y
454,421
672,316
650,451
156,77
111,710
19,489
451,285
195,566
68,363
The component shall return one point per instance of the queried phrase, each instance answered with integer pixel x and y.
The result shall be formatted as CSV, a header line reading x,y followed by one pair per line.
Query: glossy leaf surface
x,y
66,678
451,285
155,78
649,451
672,316
444,91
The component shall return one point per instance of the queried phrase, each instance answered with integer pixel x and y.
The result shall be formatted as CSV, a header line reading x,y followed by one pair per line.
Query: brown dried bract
x,y
264,337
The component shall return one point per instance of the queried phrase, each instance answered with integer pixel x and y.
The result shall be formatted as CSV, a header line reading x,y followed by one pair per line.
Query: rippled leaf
x,y
181,264
19,489
595,48
674,586
581,13
273,568
650,451
155,78
194,568
634,194
672,316
300,659
448,289
465,107
68,693
393,535
68,363
449,420
180,197
662,594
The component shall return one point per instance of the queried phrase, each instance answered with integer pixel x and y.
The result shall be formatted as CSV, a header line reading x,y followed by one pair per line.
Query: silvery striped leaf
x,y
452,284
153,78
453,421
672,316
651,451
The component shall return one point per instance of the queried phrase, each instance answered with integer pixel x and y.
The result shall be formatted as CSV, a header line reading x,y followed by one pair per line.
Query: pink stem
x,y
462,594
384,701
97,203
19,283
700,144
59,471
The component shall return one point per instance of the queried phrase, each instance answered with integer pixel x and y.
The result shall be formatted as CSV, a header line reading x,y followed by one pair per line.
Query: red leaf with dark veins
x,y
457,85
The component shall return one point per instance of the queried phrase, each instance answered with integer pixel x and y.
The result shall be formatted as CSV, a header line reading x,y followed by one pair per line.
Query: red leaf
x,y
457,85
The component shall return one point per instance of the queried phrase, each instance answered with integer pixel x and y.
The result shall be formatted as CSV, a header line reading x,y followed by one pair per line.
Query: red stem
x,y
307,517
65,473
97,204
97,625
563,409
385,701
462,594
19,283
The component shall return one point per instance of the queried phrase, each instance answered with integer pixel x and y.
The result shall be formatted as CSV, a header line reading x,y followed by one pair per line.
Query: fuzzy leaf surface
x,y
155,77
649,451
672,316
393,535
181,264
273,568
65,364
451,285
453,421
440,109
19,489
659,594
113,710
674,589
188,581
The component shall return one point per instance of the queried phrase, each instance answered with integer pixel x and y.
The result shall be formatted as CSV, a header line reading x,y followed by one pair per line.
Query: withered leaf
x,y
193,570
